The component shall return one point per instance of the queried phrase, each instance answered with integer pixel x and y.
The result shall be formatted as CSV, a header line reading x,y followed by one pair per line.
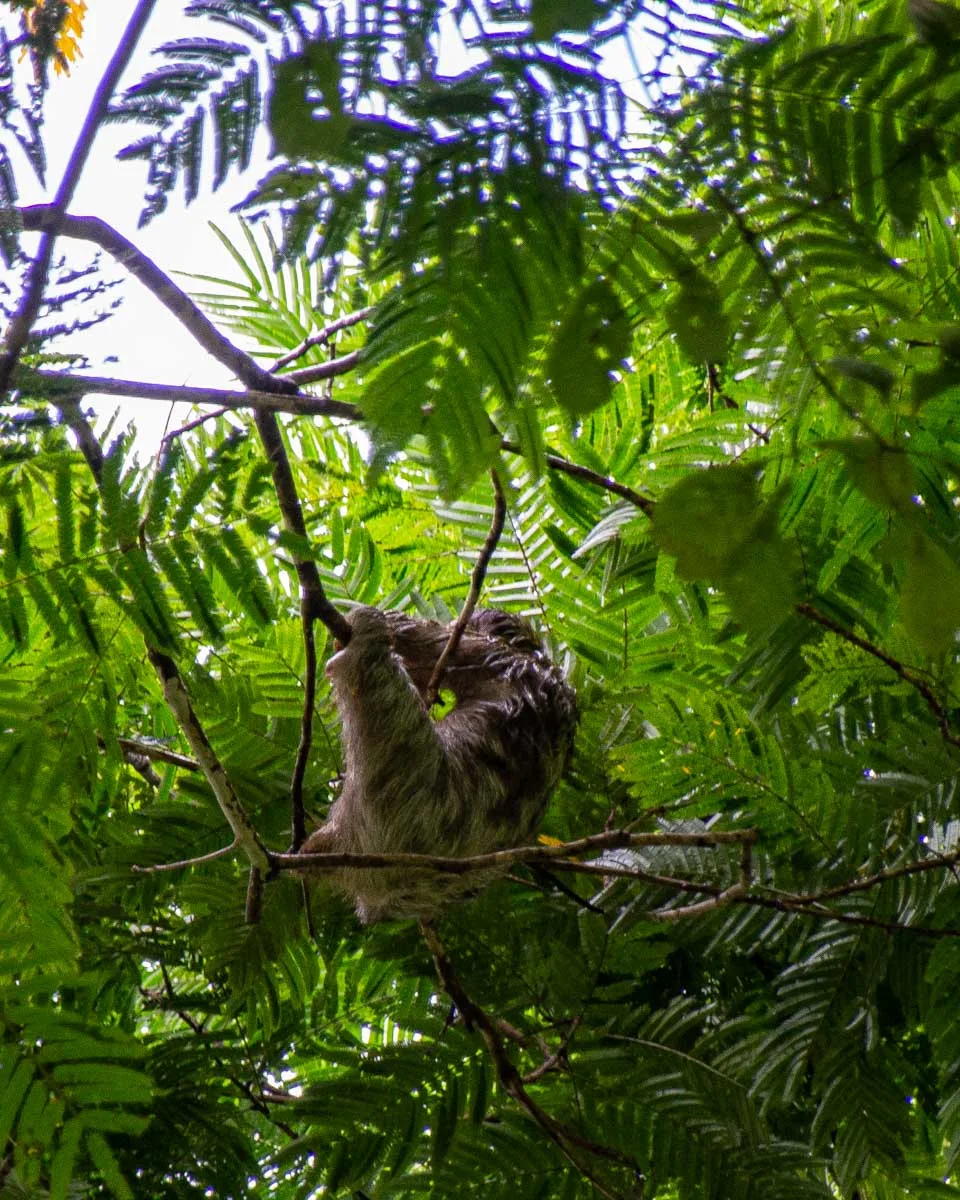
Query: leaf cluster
x,y
744,319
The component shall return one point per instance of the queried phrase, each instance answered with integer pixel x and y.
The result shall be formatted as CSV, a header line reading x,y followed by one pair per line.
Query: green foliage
x,y
713,362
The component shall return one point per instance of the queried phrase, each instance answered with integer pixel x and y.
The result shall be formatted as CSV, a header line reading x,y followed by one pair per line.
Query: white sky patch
x,y
142,341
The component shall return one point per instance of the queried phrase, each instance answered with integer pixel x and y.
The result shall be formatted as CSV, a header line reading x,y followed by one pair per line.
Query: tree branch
x,y
157,868
175,694
617,839
247,370
23,320
161,286
567,1140
594,478
297,404
321,337
157,753
298,823
324,370
473,595
904,672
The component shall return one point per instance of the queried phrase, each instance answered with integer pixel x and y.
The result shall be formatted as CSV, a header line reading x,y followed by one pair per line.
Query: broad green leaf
x,y
706,516
551,16
299,131
758,581
883,474
591,343
696,316
930,602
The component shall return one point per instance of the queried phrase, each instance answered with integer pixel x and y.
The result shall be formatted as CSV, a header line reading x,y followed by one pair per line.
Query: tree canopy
x,y
681,283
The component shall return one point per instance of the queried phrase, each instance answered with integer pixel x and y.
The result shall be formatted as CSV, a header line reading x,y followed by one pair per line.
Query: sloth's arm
x,y
391,747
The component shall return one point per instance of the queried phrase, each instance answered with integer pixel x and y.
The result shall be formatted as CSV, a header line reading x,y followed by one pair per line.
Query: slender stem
x,y
186,862
904,672
476,584
568,1140
594,478
298,822
26,315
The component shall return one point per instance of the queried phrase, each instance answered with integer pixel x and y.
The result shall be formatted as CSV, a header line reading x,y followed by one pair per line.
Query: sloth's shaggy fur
x,y
474,782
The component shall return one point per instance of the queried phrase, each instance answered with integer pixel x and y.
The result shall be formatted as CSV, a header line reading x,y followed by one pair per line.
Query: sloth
x,y
476,781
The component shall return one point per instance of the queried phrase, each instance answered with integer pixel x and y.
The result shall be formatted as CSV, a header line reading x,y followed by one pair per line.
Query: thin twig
x,y
247,370
556,1060
258,1098
157,753
29,307
173,434
576,471
567,1140
186,862
298,823
473,595
735,892
908,675
823,913
321,337
178,701
73,384
618,839
191,1022
881,877
324,370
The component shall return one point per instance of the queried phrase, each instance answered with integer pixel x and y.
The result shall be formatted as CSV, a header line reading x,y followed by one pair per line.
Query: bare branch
x,y
476,584
161,286
246,369
913,678
823,913
172,435
297,404
871,881
594,478
568,1141
175,694
735,892
165,393
557,1060
157,753
618,839
326,370
321,337
26,315
186,862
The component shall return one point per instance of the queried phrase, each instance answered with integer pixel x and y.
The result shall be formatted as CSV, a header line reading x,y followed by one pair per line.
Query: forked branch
x,y
572,1145
476,586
